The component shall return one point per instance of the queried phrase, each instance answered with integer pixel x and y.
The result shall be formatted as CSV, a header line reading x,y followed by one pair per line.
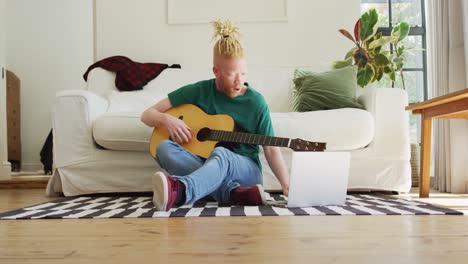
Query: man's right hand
x,y
177,129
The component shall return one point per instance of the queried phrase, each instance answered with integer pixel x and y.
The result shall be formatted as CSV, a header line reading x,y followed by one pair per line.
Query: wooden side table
x,y
452,105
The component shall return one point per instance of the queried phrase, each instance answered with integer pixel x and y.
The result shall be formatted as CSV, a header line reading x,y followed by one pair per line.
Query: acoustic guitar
x,y
208,130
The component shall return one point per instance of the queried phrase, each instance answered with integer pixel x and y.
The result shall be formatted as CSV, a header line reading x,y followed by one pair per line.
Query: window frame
x,y
414,31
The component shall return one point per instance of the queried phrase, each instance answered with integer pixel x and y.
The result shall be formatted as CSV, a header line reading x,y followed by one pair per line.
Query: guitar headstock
x,y
303,145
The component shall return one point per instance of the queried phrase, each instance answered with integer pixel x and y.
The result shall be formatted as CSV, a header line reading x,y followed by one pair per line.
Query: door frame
x,y
5,166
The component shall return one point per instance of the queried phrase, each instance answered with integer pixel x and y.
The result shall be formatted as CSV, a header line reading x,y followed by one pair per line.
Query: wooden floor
x,y
301,239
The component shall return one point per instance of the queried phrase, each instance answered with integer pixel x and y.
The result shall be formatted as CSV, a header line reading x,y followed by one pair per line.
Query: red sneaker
x,y
165,191
248,195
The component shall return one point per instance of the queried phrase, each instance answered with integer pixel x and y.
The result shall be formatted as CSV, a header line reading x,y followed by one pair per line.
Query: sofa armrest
x,y
387,106
72,118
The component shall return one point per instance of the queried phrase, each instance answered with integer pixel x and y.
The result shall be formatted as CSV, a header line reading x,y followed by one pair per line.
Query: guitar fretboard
x,y
247,138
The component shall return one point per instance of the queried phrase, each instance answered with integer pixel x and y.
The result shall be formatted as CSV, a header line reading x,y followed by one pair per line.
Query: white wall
x,y
310,37
465,34
5,167
49,46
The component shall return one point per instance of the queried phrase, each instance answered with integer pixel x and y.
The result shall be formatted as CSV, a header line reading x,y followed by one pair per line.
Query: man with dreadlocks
x,y
229,176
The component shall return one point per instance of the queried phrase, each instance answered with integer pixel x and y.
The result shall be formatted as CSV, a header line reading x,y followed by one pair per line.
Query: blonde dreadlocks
x,y
227,44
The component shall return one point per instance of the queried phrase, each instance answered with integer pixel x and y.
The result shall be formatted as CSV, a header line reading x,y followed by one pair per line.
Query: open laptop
x,y
318,178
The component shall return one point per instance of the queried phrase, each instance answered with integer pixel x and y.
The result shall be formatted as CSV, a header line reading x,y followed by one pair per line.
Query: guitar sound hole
x,y
203,134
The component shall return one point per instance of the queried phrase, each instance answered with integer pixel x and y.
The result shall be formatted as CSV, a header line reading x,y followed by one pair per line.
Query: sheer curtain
x,y
447,25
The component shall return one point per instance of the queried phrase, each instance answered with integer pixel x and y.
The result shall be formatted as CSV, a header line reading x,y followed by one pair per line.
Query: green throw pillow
x,y
326,90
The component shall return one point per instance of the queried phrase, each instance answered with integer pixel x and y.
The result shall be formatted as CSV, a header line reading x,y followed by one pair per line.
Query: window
x,y
415,72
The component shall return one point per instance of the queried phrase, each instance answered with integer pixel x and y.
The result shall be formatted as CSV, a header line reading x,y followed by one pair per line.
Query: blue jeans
x,y
217,176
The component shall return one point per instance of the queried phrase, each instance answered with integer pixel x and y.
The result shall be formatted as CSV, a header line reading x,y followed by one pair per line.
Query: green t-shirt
x,y
249,111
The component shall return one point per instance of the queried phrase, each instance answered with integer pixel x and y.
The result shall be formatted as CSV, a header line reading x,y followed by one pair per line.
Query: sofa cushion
x,y
342,129
101,82
121,131
325,90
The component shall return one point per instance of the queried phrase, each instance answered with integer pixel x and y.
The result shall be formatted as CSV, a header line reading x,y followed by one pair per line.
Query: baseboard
x,y
25,182
5,171
33,167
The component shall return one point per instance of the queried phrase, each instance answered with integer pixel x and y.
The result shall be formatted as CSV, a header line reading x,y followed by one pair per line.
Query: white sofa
x,y
101,146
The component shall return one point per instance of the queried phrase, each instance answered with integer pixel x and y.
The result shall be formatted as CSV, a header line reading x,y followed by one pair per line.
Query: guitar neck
x,y
247,138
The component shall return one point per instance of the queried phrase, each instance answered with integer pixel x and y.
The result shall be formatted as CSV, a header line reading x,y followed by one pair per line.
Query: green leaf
x,y
350,53
386,53
378,74
399,62
381,60
369,24
399,66
405,29
400,50
342,63
365,75
400,31
378,50
391,75
379,42
414,49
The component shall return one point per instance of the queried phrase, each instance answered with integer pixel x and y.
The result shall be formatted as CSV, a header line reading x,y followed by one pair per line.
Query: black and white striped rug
x,y
142,206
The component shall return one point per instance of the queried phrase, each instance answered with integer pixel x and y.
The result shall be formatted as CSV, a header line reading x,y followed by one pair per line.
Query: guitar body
x,y
196,119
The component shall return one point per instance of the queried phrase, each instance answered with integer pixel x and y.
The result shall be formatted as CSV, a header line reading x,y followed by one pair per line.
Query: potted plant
x,y
374,59
371,54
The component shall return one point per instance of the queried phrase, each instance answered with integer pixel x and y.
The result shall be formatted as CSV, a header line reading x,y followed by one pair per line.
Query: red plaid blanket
x,y
130,75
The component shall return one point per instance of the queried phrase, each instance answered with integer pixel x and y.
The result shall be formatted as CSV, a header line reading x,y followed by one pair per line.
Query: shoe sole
x,y
160,191
262,193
